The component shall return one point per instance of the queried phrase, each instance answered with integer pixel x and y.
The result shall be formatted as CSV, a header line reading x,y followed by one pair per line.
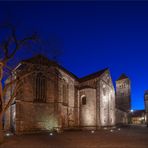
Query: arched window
x,y
40,88
84,100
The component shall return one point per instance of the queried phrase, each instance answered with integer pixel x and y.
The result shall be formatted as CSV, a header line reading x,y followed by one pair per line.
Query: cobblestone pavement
x,y
130,137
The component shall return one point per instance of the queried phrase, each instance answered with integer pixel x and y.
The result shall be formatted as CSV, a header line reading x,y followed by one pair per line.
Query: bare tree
x,y
52,46
9,46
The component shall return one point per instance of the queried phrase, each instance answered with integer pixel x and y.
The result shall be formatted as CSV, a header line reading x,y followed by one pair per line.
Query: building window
x,y
40,88
84,100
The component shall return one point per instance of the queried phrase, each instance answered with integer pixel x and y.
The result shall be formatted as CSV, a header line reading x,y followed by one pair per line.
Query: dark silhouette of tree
x,y
52,47
10,44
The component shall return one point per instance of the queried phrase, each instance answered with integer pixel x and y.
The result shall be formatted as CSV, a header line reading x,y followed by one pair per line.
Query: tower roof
x,y
123,76
146,92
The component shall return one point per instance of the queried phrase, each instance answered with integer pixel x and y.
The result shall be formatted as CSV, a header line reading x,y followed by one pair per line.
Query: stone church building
x,y
49,97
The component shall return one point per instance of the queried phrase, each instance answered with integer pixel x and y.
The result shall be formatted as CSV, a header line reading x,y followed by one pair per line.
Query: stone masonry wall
x,y
69,110
88,110
32,116
107,100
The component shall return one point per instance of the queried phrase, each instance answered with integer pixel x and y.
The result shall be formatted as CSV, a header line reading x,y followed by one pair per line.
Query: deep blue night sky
x,y
93,36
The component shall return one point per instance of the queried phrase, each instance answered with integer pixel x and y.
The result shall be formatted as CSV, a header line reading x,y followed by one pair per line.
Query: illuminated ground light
x,y
8,134
105,128
111,130
119,129
92,131
51,134
58,130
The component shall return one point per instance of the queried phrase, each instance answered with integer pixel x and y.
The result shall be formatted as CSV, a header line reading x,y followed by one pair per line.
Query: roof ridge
x,y
48,61
93,75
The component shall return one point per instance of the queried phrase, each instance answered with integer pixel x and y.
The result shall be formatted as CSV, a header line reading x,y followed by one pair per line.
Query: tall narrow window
x,y
84,100
40,88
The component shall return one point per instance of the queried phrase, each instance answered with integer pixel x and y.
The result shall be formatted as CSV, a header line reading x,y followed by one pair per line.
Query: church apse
x,y
88,108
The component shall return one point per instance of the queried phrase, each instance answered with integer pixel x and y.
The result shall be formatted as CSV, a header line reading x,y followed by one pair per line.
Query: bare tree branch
x,y
11,99
8,48
10,51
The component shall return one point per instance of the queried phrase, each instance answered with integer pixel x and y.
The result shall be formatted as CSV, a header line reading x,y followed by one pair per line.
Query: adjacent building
x,y
138,117
123,99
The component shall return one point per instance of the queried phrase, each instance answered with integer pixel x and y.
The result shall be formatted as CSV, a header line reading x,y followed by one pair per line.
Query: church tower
x,y
146,105
123,93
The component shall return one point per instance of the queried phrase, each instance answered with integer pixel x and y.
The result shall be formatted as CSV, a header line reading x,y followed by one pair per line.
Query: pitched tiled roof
x,y
93,75
123,76
68,72
41,59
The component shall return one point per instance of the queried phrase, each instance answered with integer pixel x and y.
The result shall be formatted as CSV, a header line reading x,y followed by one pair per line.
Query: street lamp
x,y
131,110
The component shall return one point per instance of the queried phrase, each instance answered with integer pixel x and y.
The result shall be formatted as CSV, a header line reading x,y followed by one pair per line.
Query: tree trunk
x,y
1,103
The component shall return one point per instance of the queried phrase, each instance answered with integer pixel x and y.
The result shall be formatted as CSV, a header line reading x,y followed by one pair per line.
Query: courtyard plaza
x,y
125,137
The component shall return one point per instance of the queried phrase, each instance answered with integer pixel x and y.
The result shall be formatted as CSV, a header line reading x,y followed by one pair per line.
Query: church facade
x,y
49,97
